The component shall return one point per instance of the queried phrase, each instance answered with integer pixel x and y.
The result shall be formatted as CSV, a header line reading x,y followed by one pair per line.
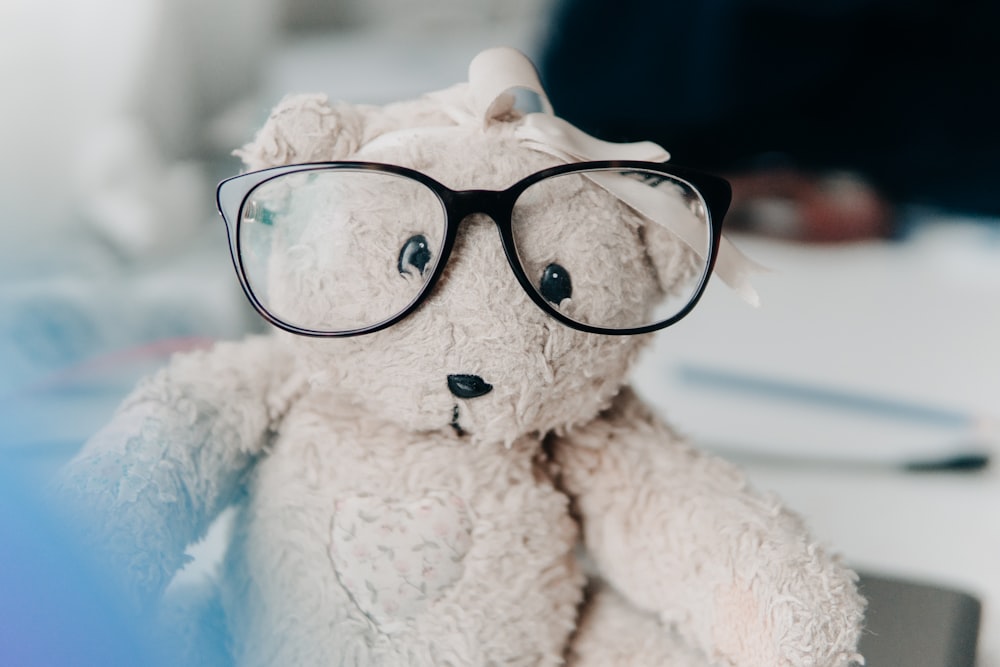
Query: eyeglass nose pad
x,y
468,386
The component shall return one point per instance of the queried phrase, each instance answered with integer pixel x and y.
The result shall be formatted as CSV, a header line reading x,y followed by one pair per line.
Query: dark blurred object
x,y
918,625
901,95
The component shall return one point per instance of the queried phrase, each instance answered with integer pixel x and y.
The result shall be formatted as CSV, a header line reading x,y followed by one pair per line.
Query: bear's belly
x,y
400,551
395,558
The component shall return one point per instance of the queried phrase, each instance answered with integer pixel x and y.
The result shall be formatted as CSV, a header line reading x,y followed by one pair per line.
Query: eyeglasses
x,y
347,248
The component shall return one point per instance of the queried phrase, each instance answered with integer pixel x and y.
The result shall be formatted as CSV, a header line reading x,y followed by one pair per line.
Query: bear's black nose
x,y
468,386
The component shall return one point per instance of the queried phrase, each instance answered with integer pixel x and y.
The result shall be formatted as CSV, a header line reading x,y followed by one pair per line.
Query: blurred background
x,y
860,136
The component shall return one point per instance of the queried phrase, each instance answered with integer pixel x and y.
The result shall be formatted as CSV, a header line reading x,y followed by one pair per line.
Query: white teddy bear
x,y
434,441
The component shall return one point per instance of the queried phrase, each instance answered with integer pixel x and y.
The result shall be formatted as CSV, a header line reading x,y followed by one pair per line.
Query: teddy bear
x,y
434,455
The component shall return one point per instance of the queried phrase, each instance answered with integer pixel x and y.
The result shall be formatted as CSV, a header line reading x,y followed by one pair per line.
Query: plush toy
x,y
435,457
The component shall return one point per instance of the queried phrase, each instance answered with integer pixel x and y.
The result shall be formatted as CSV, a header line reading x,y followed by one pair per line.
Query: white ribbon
x,y
495,74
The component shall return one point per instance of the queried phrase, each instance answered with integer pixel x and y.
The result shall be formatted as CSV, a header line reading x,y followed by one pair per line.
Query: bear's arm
x,y
682,535
174,455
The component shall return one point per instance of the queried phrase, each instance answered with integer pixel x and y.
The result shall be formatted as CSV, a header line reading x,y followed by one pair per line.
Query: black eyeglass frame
x,y
232,194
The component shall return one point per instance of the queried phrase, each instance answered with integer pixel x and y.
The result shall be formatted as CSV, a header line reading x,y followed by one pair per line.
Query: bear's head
x,y
347,247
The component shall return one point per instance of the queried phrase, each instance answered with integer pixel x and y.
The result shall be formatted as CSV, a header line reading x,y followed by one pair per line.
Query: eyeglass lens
x,y
636,262
337,250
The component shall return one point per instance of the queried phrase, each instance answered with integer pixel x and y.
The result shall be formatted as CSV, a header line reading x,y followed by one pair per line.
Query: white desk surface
x,y
917,321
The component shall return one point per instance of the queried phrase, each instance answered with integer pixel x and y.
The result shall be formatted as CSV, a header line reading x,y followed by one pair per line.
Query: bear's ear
x,y
305,128
308,128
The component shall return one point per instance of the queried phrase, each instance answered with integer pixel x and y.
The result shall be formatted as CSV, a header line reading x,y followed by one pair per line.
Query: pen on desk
x,y
953,458
842,399
956,460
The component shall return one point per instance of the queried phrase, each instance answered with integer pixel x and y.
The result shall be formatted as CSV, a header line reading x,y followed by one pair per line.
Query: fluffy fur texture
x,y
371,531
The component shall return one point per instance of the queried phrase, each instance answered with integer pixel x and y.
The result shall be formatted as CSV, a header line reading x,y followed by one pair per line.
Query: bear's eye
x,y
415,253
555,284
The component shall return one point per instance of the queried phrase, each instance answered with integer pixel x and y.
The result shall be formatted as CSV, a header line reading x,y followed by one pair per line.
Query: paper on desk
x,y
913,323
732,418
